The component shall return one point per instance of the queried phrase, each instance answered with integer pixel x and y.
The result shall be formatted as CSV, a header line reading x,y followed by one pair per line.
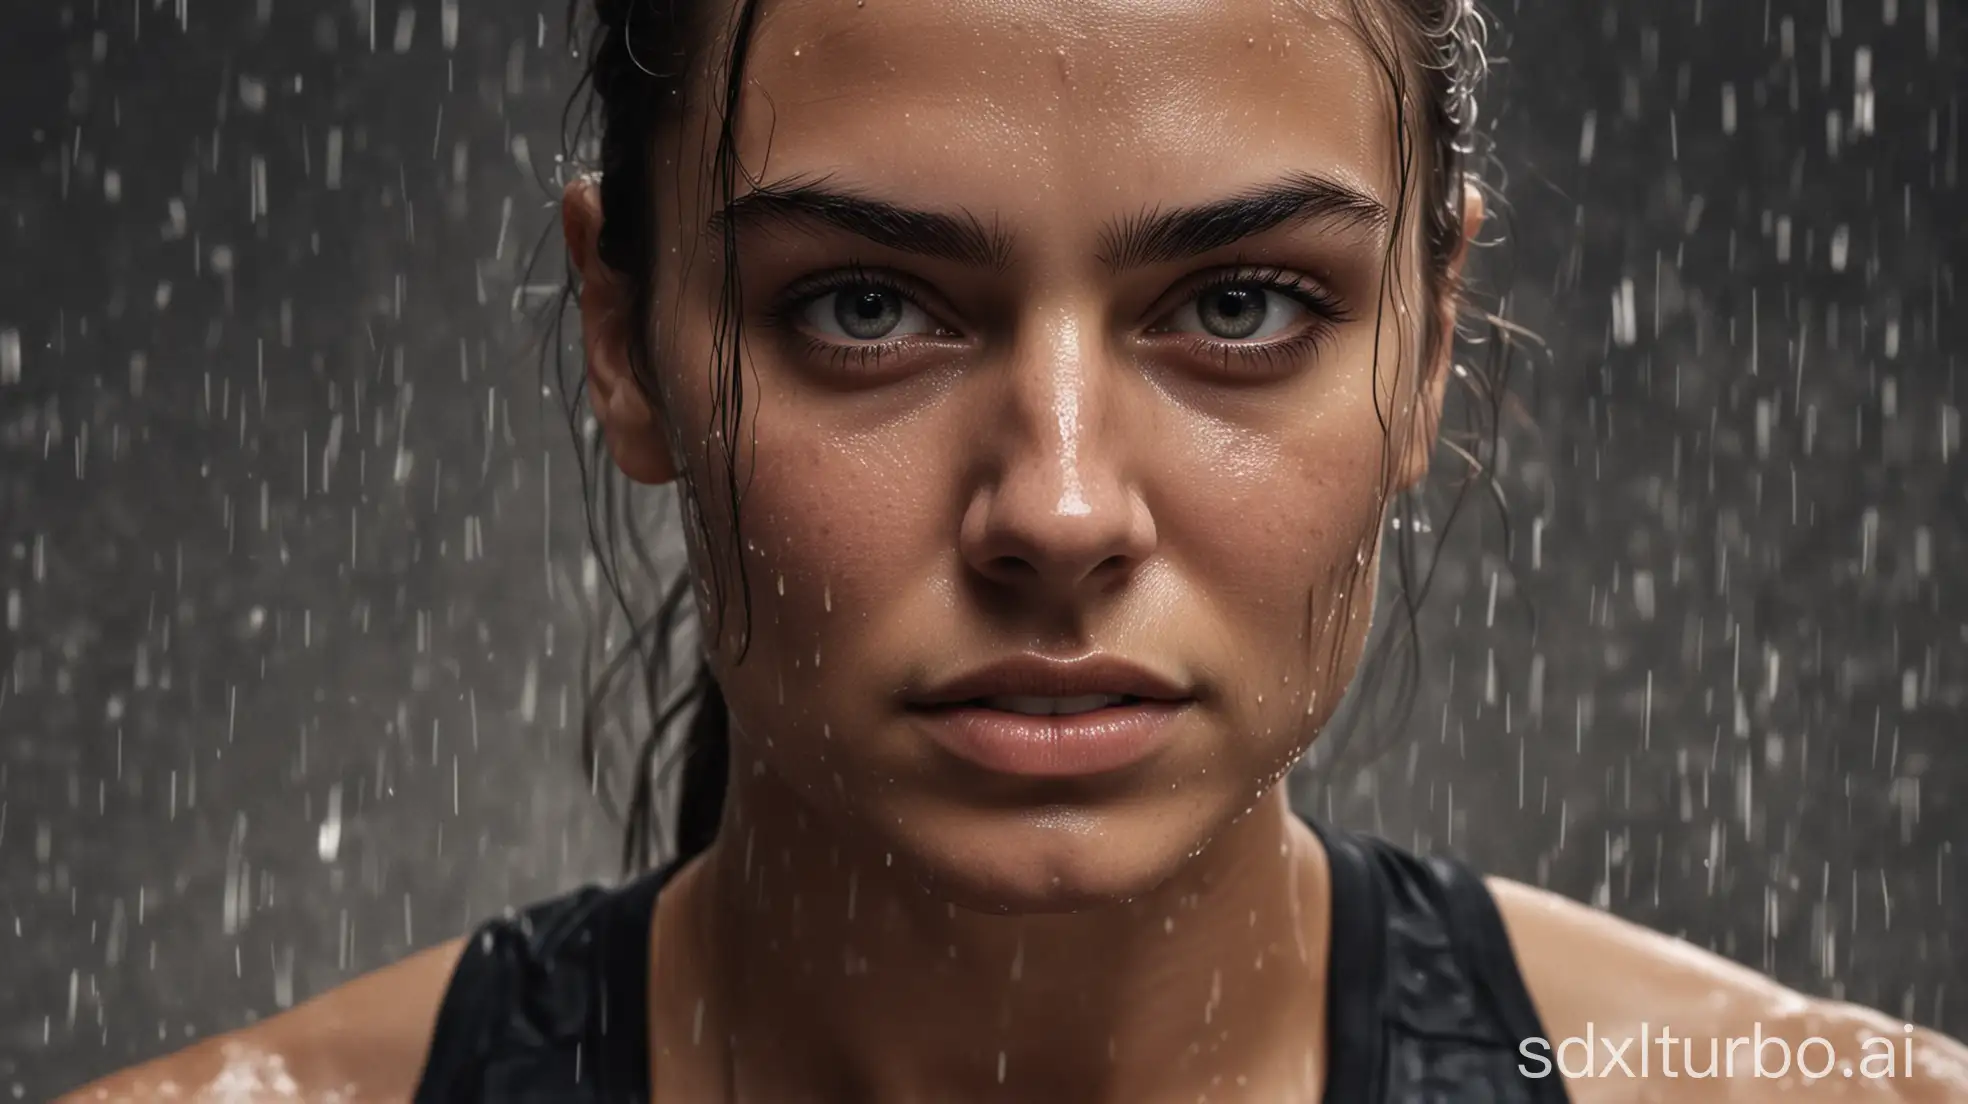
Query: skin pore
x,y
1050,215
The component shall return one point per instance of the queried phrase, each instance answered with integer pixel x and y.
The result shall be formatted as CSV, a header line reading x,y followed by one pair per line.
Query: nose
x,y
1057,510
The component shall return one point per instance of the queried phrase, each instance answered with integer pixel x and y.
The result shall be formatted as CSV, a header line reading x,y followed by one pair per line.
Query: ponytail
x,y
706,769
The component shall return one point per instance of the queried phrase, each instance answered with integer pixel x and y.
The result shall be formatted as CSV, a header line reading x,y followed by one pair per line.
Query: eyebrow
x,y
960,237
1152,237
1157,237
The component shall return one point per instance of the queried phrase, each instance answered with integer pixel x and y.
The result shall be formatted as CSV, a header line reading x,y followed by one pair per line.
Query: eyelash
x,y
859,357
1327,312
1325,308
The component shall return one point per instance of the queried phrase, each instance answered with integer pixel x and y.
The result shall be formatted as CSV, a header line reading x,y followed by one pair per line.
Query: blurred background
x,y
292,588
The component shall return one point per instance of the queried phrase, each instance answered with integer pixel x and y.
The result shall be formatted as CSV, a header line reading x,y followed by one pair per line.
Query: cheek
x,y
1274,517
1280,528
841,517
832,530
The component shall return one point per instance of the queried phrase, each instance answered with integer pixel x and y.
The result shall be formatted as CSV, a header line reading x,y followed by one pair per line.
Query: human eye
x,y
1269,312
855,308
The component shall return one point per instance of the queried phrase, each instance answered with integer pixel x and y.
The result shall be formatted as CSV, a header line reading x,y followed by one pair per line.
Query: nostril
x,y
1013,567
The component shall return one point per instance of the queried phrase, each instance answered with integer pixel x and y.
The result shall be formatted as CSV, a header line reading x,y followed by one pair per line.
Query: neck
x,y
836,976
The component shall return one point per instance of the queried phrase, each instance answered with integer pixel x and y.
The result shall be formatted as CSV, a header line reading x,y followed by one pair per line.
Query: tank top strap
x,y
1425,1000
550,1003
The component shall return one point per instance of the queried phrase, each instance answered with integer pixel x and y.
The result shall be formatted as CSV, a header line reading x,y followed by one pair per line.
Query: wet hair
x,y
638,59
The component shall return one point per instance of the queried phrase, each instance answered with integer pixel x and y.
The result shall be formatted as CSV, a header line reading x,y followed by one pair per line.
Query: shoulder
x,y
364,1040
1610,992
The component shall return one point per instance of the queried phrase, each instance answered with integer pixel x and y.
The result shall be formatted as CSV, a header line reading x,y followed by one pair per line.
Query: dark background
x,y
290,541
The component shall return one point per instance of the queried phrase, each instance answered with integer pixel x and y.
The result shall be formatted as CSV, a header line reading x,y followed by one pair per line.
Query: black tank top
x,y
1425,1003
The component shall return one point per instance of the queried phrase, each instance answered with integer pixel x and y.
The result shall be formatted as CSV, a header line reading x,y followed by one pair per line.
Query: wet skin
x,y
1019,421
1048,452
1052,449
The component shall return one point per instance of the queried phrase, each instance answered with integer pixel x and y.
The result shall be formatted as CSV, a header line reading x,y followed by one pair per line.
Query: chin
x,y
1045,859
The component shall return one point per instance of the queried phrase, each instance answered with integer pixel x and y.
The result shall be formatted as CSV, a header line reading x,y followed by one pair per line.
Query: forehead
x,y
1006,105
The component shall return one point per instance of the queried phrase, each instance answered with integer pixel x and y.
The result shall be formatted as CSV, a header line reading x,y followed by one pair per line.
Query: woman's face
x,y
1060,327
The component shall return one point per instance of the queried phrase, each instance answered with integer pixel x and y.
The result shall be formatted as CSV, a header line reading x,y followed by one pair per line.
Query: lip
x,y
1067,746
1045,677
1060,746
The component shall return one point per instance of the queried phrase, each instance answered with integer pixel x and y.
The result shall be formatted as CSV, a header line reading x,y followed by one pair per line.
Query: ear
x,y
1427,420
627,413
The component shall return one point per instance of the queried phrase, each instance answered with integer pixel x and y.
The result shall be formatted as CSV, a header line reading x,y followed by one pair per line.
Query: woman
x,y
1037,376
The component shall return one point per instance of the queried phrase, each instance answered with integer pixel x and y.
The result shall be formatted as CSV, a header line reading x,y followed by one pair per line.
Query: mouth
x,y
1026,705
1036,717
1040,685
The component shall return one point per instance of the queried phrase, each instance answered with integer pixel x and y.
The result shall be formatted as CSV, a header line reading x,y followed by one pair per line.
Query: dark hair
x,y
635,82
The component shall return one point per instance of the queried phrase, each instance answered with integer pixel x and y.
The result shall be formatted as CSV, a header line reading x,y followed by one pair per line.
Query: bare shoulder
x,y
361,1042
1644,1016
